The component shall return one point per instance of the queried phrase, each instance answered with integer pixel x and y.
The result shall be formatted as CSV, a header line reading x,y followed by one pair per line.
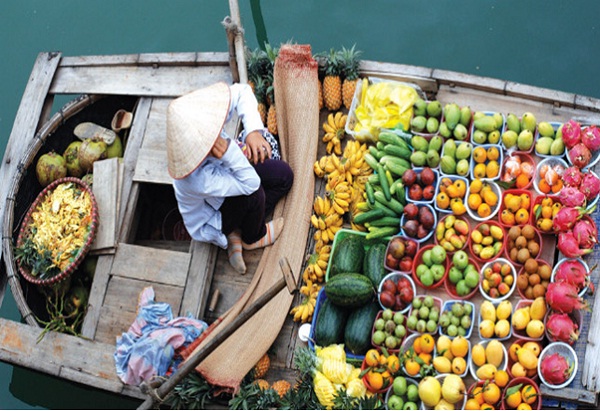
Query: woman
x,y
223,194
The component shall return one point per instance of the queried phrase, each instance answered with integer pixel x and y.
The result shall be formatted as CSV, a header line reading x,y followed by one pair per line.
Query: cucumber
x,y
349,290
348,255
371,160
367,216
330,324
383,181
375,153
380,232
357,334
388,158
370,193
392,203
391,138
373,263
397,151
387,211
385,222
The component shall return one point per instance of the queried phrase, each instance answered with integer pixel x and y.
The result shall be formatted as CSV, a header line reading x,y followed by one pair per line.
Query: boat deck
x,y
135,197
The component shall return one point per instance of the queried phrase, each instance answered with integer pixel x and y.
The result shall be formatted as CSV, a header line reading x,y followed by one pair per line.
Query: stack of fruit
x,y
443,392
400,254
548,140
515,208
533,279
528,319
487,241
543,212
424,314
450,197
426,153
487,357
455,158
521,394
485,161
452,233
487,127
396,292
456,122
379,369
404,394
519,132
457,318
498,280
427,116
389,330
417,354
431,266
523,243
549,175
518,170
494,320
483,199
452,355
417,221
463,276
420,184
523,358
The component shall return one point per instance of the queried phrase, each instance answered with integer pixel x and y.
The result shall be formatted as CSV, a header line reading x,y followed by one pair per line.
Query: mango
x,y
496,232
444,130
477,115
418,123
432,125
461,227
488,311
518,370
486,123
419,143
432,158
502,328
525,140
504,310
538,309
478,355
418,158
487,253
456,241
486,328
476,236
479,137
460,132
465,116
448,165
543,144
434,108
450,221
509,138
420,107
463,151
558,147
442,364
535,328
450,148
452,115
545,129
527,358
486,372
513,123
494,353
528,122
436,143
521,318
499,119
440,229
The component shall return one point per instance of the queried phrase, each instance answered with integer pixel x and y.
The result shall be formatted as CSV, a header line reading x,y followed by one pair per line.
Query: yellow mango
x,y
537,309
442,364
527,358
494,353
486,372
521,318
478,355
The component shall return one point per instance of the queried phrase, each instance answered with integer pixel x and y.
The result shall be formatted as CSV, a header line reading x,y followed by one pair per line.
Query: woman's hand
x,y
220,147
257,148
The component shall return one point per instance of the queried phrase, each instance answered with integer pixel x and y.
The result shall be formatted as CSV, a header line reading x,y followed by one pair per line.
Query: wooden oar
x,y
157,393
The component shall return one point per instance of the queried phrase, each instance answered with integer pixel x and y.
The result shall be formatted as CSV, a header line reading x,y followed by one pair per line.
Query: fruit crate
x,y
447,307
499,161
499,129
555,125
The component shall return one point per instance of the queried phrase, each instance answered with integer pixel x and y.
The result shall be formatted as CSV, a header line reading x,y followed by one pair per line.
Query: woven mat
x,y
296,97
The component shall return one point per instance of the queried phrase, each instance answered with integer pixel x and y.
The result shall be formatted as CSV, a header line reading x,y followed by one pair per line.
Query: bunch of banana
x,y
339,193
334,132
333,223
303,311
317,265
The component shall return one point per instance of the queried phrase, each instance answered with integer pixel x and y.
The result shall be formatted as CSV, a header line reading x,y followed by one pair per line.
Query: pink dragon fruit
x,y
572,177
571,197
555,369
571,133
572,272
569,246
590,136
586,233
563,297
566,217
561,327
590,186
580,155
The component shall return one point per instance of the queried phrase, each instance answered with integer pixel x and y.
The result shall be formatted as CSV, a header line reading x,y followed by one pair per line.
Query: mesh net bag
x,y
296,95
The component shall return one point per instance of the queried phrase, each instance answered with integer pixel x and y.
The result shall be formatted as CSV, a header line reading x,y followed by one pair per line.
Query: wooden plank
x,y
193,58
156,128
27,121
96,298
199,279
139,80
151,167
106,175
400,72
72,357
151,264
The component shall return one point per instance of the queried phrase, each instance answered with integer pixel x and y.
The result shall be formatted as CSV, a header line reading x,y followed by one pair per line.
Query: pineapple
x,y
260,91
332,83
256,65
320,96
350,71
262,366
262,384
272,113
281,387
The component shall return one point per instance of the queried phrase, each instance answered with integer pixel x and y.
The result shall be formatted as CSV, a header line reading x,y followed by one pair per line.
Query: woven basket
x,y
24,232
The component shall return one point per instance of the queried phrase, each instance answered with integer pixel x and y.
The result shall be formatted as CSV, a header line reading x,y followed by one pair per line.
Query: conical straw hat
x,y
194,121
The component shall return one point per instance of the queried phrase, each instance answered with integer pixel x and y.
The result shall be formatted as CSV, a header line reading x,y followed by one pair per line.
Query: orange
x,y
375,380
372,357
383,360
524,406
478,394
501,378
442,200
427,343
475,186
491,393
417,345
522,216
426,357
472,404
556,187
529,394
544,186
393,364
487,407
513,400
412,367
522,181
479,155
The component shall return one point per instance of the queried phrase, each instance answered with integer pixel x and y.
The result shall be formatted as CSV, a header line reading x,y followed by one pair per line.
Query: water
x,y
546,44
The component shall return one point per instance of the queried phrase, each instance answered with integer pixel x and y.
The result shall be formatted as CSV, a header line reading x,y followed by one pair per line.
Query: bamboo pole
x,y
239,40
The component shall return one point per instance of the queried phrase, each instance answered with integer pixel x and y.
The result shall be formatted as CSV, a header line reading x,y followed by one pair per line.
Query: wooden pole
x,y
239,40
158,394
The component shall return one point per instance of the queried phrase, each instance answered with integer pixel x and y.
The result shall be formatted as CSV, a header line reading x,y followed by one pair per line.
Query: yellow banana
x,y
331,120
314,220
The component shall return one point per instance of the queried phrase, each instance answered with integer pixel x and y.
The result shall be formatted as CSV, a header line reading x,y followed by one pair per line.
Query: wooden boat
x,y
139,246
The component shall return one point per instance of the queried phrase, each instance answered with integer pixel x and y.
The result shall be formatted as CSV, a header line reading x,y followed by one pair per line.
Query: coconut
x,y
88,179
50,167
91,150
115,149
71,156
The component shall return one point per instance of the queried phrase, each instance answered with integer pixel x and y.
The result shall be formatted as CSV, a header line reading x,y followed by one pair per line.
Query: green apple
x,y
460,259
400,385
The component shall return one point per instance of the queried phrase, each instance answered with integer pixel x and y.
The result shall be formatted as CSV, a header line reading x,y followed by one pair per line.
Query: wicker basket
x,y
24,232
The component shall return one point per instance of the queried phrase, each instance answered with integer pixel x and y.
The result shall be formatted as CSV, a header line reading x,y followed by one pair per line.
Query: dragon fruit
x,y
561,327
569,246
571,197
563,297
571,133
572,177
590,136
572,272
590,186
555,369
580,155
566,217
586,233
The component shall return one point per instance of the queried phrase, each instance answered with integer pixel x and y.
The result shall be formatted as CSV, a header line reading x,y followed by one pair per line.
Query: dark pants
x,y
247,213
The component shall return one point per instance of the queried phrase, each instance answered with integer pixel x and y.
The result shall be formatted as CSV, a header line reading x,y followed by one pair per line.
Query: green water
x,y
549,44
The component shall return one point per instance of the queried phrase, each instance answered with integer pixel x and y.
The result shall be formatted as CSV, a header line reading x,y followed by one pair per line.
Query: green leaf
x,y
507,184
510,391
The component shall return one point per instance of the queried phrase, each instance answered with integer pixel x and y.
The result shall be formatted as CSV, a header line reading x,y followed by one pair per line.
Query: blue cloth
x,y
147,349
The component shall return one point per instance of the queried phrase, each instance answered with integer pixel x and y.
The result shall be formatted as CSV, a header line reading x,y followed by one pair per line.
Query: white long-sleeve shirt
x,y
201,194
